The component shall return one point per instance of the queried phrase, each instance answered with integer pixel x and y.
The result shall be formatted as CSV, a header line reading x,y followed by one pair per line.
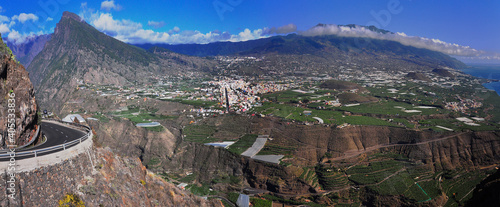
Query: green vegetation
x,y
199,133
202,190
340,85
137,115
276,149
457,125
233,197
391,107
287,96
259,202
330,178
374,172
196,103
189,178
309,176
459,184
490,99
328,116
243,143
101,118
155,129
153,162
227,179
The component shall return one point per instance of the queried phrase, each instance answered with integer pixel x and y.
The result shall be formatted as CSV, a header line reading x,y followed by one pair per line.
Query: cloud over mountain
x,y
289,28
134,33
419,42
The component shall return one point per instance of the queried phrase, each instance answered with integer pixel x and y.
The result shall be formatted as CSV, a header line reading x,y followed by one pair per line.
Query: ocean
x,y
486,71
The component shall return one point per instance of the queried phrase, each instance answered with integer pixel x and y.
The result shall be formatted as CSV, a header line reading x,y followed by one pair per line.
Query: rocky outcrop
x,y
448,150
308,144
208,162
98,178
128,140
14,80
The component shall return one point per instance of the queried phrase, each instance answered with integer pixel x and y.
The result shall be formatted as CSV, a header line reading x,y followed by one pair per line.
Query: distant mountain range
x,y
229,48
26,51
77,52
326,46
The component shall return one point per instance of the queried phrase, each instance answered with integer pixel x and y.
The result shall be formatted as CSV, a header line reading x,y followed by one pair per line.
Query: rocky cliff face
x,y
179,157
128,140
14,80
98,178
440,151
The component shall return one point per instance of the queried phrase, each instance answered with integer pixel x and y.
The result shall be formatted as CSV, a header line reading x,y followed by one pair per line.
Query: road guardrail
x,y
54,148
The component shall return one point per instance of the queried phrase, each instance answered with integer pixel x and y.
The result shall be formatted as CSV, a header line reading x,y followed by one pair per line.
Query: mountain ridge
x,y
321,46
78,53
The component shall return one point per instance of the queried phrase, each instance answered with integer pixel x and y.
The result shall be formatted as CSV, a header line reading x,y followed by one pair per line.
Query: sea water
x,y
486,71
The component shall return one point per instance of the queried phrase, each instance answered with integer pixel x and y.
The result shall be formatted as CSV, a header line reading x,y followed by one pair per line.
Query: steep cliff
x,y
16,89
307,146
98,178
209,162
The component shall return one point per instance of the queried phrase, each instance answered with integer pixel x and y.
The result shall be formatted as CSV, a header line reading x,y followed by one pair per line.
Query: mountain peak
x,y
70,15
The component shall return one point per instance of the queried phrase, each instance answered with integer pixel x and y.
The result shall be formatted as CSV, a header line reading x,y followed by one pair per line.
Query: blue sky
x,y
465,23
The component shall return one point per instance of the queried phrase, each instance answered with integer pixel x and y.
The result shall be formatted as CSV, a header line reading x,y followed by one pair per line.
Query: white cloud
x,y
4,18
109,5
17,38
155,24
176,29
23,17
14,36
112,27
88,14
132,32
4,28
289,28
49,19
247,35
419,42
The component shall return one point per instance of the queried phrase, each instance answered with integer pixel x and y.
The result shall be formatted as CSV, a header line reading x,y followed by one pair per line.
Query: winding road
x,y
57,134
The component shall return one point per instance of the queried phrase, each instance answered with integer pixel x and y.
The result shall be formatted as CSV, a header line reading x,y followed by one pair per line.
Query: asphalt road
x,y
56,135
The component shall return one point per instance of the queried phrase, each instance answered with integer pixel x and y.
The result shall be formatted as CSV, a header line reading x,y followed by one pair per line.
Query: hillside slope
x,y
78,53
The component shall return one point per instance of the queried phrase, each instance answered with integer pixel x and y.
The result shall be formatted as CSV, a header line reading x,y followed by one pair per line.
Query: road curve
x,y
56,134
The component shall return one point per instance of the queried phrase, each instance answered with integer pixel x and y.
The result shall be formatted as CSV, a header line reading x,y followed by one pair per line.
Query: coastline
x,y
490,72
